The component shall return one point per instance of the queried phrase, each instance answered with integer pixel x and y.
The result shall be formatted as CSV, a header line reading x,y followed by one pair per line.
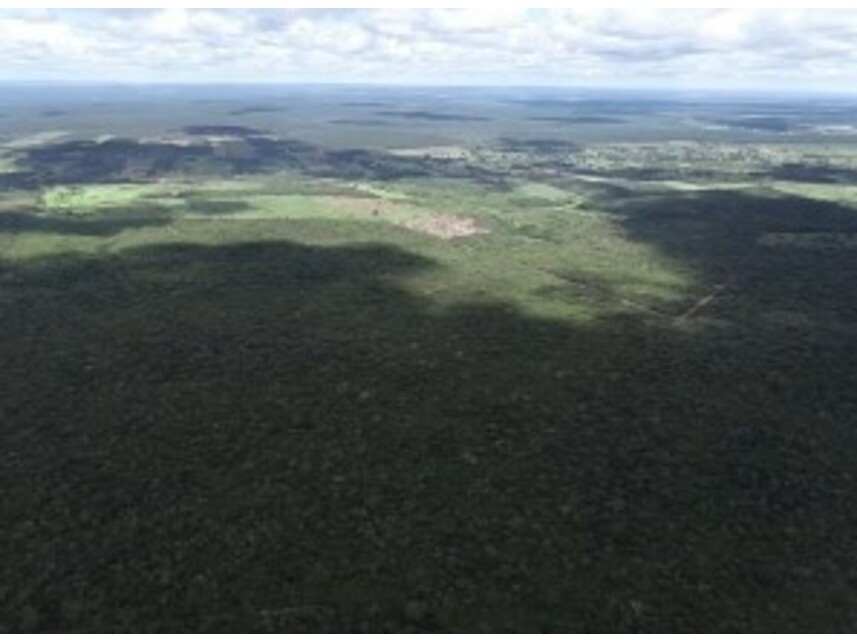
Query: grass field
x,y
496,392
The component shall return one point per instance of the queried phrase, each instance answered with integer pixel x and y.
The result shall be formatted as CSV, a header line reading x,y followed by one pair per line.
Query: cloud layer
x,y
784,49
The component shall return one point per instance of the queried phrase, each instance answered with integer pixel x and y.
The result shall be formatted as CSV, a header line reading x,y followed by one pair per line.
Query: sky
x,y
643,48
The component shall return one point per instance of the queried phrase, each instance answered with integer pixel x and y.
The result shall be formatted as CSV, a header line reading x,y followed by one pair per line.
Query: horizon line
x,y
665,88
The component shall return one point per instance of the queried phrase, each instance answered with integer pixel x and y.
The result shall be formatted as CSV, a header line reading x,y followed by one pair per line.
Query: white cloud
x,y
701,47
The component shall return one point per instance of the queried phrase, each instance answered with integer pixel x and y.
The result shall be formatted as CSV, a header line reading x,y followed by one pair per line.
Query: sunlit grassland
x,y
834,192
6,164
89,200
546,251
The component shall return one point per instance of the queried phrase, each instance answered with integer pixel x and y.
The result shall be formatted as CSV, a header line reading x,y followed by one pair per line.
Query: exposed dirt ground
x,y
445,226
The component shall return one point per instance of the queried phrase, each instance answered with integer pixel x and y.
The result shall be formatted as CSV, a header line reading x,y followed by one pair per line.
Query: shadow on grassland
x,y
107,222
753,240
276,436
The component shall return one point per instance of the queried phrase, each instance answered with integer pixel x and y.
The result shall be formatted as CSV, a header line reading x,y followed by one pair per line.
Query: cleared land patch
x,y
7,165
445,226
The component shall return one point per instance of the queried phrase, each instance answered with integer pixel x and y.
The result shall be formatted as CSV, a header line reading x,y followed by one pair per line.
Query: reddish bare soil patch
x,y
445,226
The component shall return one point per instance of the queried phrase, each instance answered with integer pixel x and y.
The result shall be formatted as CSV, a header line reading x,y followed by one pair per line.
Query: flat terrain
x,y
435,360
